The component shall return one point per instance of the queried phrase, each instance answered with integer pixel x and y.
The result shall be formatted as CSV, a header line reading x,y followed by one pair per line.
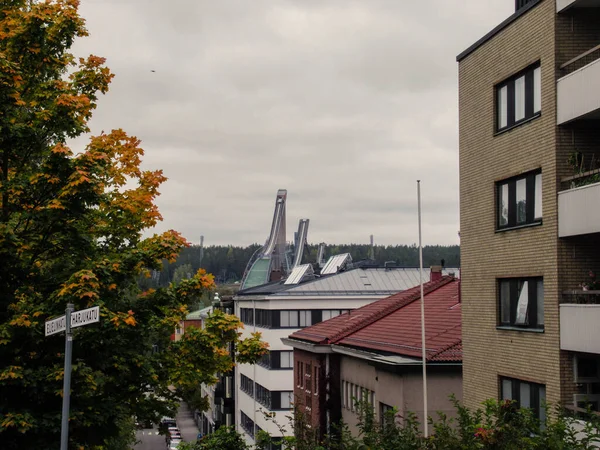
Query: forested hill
x,y
227,263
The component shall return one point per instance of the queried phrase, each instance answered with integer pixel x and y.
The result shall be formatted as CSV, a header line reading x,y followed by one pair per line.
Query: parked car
x,y
168,422
174,434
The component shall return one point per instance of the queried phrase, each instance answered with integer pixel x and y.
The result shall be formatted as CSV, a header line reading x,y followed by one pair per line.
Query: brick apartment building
x,y
529,102
374,353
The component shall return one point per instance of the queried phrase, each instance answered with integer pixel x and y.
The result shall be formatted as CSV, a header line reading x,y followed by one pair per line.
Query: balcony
x,y
579,319
562,5
579,209
578,91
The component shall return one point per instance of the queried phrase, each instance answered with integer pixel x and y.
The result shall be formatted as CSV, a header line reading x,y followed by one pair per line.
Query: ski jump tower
x,y
269,262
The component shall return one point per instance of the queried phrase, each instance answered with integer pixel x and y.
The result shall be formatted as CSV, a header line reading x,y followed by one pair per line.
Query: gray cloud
x,y
345,103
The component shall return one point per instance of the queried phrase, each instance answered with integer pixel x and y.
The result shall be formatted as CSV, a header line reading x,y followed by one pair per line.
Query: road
x,y
150,440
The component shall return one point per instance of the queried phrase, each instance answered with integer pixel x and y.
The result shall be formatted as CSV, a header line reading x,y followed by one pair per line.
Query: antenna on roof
x,y
201,251
372,249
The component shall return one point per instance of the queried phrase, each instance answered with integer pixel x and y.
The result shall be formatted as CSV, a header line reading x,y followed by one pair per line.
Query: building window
x,y
525,395
331,313
386,414
519,98
288,319
264,318
263,396
287,400
247,316
519,200
247,423
286,360
300,374
265,360
305,318
276,359
522,302
521,3
247,385
316,381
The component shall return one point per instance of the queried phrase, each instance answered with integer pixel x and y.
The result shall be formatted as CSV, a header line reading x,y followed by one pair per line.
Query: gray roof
x,y
199,314
359,281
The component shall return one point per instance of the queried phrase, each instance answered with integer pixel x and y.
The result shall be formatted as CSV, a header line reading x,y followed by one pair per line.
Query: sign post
x,y
64,428
66,323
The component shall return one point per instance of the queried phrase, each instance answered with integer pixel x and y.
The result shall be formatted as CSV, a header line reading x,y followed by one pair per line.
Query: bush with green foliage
x,y
498,425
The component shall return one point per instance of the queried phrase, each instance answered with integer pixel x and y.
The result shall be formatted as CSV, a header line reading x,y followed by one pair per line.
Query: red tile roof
x,y
393,324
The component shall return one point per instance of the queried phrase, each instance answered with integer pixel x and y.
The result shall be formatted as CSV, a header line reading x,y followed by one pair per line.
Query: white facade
x,y
278,380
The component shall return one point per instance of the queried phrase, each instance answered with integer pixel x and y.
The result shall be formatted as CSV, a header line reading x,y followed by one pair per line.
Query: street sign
x,y
85,316
56,325
66,323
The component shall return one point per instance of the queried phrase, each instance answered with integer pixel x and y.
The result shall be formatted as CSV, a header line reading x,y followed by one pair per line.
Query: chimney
x,y
435,273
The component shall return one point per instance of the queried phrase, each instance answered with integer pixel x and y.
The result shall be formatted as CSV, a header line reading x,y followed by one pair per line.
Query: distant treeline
x,y
227,263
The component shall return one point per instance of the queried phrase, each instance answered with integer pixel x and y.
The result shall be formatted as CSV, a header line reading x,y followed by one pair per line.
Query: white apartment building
x,y
278,309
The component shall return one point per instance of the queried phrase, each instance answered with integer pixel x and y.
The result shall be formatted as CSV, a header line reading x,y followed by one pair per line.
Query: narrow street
x,y
150,439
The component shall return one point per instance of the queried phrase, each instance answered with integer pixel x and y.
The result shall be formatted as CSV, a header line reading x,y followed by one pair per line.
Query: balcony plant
x,y
585,173
592,284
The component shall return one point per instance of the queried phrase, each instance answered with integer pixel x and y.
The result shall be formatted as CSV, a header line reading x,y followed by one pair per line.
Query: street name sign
x,y
56,325
66,323
85,316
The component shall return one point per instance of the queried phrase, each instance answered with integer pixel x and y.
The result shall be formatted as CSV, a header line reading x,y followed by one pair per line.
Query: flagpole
x,y
424,352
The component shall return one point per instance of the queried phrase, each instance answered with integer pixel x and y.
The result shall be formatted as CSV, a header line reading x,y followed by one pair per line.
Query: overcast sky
x,y
344,103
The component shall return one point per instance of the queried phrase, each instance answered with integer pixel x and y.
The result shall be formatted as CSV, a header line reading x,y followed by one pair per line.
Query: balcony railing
x,y
578,90
581,297
580,61
579,318
579,210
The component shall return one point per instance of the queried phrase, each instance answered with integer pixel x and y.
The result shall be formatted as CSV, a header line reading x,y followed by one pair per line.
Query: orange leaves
x,y
11,373
61,149
55,204
120,317
130,321
21,321
82,285
21,422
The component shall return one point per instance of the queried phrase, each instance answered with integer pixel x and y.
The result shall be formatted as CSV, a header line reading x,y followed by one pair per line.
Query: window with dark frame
x,y
247,316
518,98
521,4
521,302
277,360
247,385
519,200
525,395
385,416
247,423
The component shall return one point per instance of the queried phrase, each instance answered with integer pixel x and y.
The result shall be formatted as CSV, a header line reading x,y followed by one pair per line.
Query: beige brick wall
x,y
485,254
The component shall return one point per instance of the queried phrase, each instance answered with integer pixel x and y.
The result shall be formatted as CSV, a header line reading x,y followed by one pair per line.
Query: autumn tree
x,y
71,224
